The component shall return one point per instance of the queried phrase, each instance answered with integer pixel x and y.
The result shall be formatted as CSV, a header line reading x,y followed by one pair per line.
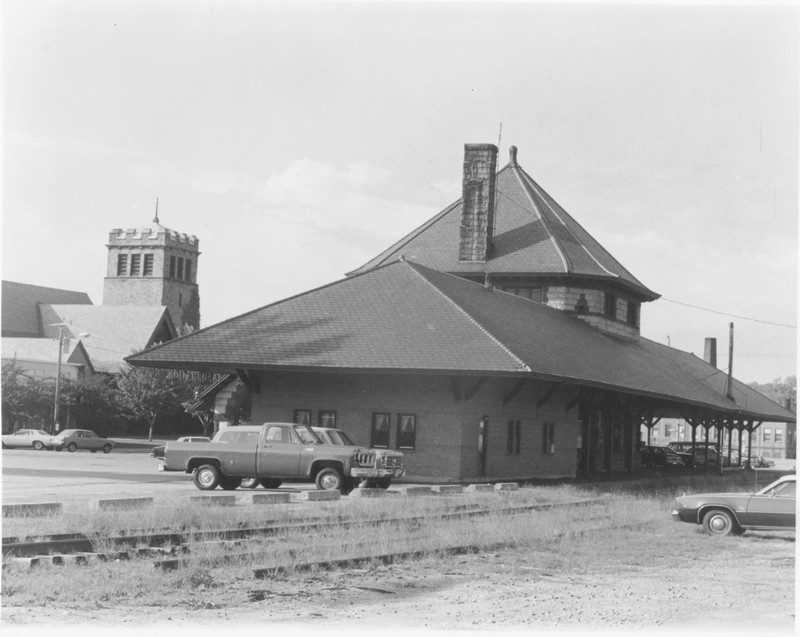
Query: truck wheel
x,y
269,483
206,477
249,483
229,484
330,479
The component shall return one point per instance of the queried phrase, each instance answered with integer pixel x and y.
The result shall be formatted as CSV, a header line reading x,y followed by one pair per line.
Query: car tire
x,y
206,477
269,483
720,522
37,445
229,483
107,448
71,447
329,479
249,483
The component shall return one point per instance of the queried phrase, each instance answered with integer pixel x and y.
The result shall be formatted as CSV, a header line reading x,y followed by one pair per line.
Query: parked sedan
x,y
771,508
27,438
72,439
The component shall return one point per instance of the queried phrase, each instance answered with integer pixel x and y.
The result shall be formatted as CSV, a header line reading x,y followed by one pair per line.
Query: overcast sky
x,y
297,141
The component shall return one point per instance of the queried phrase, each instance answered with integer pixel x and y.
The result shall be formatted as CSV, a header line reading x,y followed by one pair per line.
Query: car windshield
x,y
786,489
307,436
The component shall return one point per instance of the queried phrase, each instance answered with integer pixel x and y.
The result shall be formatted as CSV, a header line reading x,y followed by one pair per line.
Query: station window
x,y
187,270
326,418
514,436
302,416
122,264
172,264
136,261
767,435
148,265
406,431
379,434
179,273
549,438
533,293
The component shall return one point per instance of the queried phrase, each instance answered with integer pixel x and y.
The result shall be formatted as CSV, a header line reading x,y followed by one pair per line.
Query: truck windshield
x,y
340,438
307,436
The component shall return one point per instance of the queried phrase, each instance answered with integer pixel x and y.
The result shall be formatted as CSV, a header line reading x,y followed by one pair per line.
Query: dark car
x,y
72,439
771,508
664,457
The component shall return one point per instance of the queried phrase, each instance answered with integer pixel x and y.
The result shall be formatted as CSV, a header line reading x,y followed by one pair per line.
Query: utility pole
x,y
58,375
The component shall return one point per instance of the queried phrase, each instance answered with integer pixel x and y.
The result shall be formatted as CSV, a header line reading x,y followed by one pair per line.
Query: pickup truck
x,y
274,452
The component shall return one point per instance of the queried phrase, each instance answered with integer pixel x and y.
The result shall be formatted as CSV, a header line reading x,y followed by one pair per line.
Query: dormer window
x,y
633,313
610,308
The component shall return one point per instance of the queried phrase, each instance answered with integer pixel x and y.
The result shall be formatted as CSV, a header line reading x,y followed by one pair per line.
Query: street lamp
x,y
60,327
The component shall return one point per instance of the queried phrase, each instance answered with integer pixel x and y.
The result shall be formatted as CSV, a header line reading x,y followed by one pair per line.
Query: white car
x,y
27,438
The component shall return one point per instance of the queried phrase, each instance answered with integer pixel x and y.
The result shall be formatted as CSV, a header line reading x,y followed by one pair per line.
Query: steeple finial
x,y
155,219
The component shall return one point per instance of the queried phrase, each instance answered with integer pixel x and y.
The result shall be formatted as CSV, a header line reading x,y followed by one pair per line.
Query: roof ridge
x,y
559,249
545,197
415,268
405,240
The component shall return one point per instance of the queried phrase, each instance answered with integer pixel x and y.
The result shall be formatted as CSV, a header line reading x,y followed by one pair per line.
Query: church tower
x,y
154,265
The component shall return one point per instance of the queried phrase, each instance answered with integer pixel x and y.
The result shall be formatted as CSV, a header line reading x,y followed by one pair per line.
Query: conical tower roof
x,y
532,236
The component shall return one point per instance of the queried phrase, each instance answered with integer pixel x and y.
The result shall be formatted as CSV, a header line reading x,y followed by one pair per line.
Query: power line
x,y
744,318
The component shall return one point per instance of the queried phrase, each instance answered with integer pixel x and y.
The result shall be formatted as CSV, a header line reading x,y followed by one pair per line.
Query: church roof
x,y
114,331
407,318
45,350
532,234
20,314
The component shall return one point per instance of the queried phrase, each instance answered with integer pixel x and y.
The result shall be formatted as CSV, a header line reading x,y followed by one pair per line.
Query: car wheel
x,y
269,483
206,477
229,483
249,483
720,522
107,448
330,479
71,447
38,445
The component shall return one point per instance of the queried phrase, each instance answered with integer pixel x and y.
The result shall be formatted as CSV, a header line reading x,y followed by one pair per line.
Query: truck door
x,y
279,453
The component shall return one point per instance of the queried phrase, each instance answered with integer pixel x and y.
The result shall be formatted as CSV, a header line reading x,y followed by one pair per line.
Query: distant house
x,y
497,341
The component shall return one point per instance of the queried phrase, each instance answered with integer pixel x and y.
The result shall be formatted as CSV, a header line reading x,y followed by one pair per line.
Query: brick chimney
x,y
710,355
477,216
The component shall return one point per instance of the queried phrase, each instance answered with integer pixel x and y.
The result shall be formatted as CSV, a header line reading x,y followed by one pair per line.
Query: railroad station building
x,y
498,340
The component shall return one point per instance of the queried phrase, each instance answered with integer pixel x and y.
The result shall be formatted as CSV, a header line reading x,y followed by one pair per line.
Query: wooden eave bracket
x,y
548,395
514,391
250,380
462,393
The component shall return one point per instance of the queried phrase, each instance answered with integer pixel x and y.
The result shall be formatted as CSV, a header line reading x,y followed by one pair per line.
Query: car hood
x,y
717,497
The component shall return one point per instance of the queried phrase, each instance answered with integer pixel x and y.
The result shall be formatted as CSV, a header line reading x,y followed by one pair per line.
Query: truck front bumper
x,y
367,472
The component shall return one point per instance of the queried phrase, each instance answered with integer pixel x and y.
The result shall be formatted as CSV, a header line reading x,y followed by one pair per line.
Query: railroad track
x,y
170,550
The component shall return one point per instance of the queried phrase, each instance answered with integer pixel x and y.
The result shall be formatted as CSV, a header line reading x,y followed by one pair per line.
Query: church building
x,y
496,341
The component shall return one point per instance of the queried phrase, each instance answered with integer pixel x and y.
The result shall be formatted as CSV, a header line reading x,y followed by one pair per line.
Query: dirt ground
x,y
688,582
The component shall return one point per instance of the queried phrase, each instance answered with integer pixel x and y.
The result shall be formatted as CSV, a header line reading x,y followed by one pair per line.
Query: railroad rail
x,y
171,548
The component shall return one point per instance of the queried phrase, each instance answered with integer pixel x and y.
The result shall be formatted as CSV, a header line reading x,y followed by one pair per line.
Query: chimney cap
x,y
512,155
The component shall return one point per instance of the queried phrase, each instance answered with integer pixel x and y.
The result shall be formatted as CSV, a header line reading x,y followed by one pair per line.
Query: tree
x,y
25,397
91,400
146,393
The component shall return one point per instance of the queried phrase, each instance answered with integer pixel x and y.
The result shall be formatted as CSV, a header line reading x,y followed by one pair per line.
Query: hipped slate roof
x,y
20,312
404,317
533,234
115,331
